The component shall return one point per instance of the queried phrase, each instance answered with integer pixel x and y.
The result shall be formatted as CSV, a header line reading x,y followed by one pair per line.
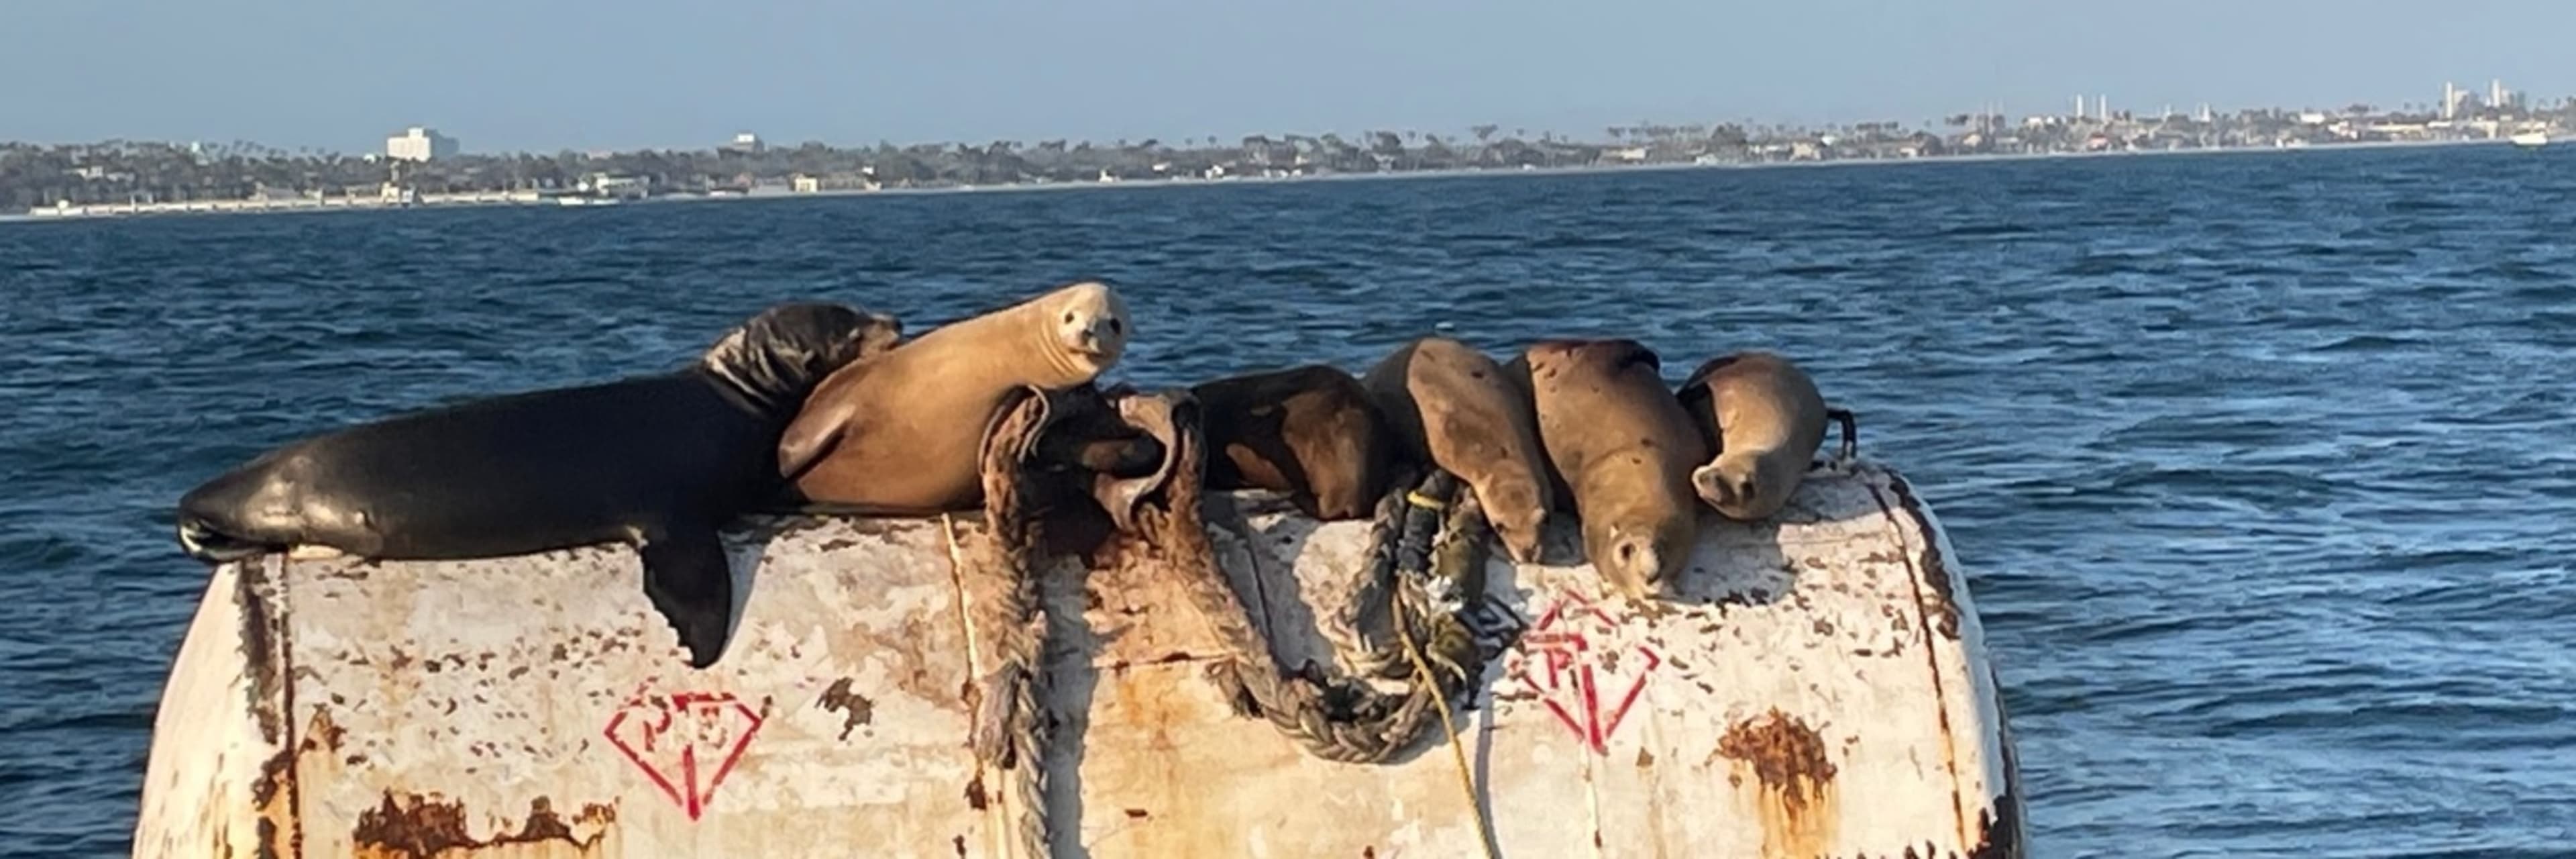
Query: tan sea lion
x,y
1624,448
1309,432
898,434
1764,419
1450,406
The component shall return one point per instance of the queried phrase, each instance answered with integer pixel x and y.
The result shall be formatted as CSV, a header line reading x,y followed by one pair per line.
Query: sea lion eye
x,y
1117,327
1068,317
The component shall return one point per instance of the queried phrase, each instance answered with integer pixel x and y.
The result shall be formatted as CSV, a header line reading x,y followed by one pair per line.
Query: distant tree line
x,y
117,171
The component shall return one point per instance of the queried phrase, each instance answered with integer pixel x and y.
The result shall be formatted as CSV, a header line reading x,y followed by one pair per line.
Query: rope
x,y
1426,565
1457,750
1339,719
1009,731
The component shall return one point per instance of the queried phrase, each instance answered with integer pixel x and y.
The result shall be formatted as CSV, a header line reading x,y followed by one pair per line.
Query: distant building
x,y
617,185
418,143
744,142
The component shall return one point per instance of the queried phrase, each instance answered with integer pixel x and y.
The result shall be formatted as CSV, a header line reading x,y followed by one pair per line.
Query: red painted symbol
x,y
1574,679
686,743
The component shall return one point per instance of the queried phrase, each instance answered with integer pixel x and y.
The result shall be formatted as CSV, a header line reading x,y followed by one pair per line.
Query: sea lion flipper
x,y
1625,353
1851,432
1160,417
688,580
809,437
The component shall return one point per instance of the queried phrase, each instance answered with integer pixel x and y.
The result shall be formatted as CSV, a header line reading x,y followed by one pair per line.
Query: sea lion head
x,y
1086,328
1639,559
1518,514
776,357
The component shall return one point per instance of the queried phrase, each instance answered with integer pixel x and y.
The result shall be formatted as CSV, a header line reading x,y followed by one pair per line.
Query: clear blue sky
x,y
546,74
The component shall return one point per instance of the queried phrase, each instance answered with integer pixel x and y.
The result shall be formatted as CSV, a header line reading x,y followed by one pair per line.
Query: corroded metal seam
x,y
268,647
1931,656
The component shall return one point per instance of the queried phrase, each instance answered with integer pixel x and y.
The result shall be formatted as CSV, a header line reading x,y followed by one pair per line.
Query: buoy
x,y
1817,687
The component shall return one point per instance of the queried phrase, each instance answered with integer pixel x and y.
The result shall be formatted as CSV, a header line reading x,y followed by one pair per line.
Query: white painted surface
x,y
484,704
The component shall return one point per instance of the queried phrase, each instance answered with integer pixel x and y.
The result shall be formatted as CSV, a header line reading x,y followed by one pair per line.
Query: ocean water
x,y
2263,467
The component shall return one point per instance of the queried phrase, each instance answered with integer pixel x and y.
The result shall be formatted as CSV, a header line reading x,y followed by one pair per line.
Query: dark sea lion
x,y
1624,448
1309,432
1449,405
1765,419
898,435
658,462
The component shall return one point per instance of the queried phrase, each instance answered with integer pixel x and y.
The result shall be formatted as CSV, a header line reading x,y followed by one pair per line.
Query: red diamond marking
x,y
1573,678
685,743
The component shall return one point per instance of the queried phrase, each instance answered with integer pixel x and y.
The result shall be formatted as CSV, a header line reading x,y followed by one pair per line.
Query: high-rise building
x,y
419,143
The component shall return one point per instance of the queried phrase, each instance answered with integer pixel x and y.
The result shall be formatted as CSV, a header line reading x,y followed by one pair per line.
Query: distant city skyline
x,y
501,76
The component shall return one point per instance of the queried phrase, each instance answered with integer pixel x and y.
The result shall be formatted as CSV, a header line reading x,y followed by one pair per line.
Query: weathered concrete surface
x,y
1820,688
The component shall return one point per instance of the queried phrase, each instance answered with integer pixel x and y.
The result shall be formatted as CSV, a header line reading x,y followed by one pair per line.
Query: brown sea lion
x,y
1309,432
1764,419
1624,449
898,434
1450,406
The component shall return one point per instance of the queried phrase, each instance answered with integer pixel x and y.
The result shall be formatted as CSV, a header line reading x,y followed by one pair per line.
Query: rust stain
x,y
1935,572
1796,802
1999,831
277,795
1931,573
321,732
976,797
855,709
259,647
2000,828
417,827
273,801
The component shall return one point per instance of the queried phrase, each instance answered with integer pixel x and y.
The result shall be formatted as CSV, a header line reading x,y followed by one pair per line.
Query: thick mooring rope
x,y
1339,719
1010,732
1425,568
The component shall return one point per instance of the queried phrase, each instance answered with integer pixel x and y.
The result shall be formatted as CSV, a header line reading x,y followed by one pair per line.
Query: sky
x,y
543,75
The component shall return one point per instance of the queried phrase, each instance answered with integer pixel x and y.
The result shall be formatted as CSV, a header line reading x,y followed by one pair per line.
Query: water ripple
x,y
2261,465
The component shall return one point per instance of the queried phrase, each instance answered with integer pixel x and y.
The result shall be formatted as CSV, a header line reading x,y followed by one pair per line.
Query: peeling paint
x,y
259,646
1795,780
423,827
1935,571
855,708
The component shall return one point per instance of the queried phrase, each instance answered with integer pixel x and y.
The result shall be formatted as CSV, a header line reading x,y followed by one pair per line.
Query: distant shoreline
x,y
237,207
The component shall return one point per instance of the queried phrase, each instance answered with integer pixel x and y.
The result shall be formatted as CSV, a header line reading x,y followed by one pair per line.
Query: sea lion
x,y
1624,448
658,462
1308,431
897,435
1449,405
1764,419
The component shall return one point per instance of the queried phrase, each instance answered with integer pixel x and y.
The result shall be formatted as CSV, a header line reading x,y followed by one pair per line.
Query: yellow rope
x,y
1457,750
1424,501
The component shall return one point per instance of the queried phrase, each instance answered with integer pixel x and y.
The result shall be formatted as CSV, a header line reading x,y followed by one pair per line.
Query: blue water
x,y
2263,466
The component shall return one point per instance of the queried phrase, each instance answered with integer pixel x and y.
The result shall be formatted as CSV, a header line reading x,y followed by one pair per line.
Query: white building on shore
x,y
419,143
